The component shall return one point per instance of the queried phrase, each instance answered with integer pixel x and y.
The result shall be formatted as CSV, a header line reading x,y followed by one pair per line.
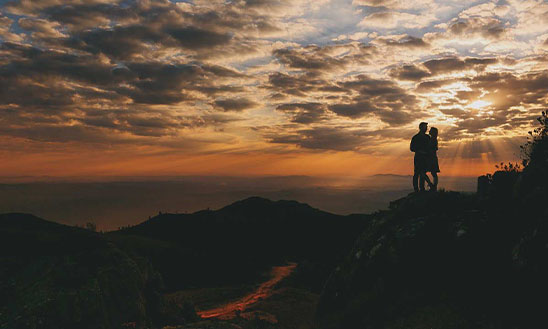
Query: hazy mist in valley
x,y
122,201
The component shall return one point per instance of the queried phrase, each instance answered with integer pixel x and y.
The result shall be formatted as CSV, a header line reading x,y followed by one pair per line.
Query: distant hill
x,y
239,241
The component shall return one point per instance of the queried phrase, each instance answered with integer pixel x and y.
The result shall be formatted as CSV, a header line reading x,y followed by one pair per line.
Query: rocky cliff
x,y
442,260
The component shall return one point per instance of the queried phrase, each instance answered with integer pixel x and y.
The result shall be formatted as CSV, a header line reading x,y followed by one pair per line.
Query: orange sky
x,y
275,87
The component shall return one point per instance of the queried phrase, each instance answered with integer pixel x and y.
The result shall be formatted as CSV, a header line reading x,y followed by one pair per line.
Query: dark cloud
x,y
311,60
451,64
383,98
397,117
490,28
427,86
41,91
409,73
142,82
406,42
160,83
353,110
137,29
322,138
81,16
121,42
455,112
297,85
372,87
125,42
316,60
31,62
234,104
304,113
195,38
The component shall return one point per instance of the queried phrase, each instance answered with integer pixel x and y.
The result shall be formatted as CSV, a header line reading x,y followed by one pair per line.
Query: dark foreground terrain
x,y
434,260
164,270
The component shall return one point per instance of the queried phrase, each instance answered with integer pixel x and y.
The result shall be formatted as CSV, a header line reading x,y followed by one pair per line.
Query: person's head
x,y
434,132
423,127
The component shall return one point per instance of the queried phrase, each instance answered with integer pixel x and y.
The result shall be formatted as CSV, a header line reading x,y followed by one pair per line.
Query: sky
x,y
266,87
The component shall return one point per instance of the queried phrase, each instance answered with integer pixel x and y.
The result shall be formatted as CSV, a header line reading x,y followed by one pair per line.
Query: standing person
x,y
419,145
433,167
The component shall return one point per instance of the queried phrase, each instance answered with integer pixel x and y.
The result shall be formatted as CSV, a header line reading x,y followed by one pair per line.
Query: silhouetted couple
x,y
425,147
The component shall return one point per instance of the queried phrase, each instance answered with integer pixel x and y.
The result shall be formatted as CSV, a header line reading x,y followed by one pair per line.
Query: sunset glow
x,y
266,87
480,104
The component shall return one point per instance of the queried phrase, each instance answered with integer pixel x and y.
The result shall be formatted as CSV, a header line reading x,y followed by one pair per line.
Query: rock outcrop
x,y
440,260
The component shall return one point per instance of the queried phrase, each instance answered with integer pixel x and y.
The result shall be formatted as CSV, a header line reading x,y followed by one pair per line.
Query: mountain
x,y
56,276
238,242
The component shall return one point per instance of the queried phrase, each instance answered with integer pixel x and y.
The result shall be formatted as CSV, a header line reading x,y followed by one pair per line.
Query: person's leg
x,y
435,184
416,181
427,179
422,181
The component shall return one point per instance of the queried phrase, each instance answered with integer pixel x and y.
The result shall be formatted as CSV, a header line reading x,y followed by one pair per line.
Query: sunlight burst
x,y
479,104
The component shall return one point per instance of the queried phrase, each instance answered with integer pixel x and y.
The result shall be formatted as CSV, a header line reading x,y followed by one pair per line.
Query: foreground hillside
x,y
55,276
443,260
433,260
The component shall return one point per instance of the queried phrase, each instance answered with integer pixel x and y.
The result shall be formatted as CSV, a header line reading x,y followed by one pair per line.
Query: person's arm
x,y
413,145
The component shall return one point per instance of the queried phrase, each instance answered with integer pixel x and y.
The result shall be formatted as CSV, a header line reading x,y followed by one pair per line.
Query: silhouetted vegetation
x,y
56,276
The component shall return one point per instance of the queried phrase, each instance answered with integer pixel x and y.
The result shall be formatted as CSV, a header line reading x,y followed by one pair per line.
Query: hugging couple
x,y
425,147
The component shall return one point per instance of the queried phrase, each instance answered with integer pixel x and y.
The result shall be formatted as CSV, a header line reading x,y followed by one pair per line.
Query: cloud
x,y
451,64
195,38
396,19
308,59
159,72
234,104
384,98
41,28
300,84
304,113
5,30
506,90
489,28
409,73
405,41
353,110
322,138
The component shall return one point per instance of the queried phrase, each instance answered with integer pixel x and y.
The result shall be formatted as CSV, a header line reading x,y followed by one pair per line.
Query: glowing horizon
x,y
266,87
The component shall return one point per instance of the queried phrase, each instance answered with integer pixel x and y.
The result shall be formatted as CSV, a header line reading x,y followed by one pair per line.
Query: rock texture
x,y
438,260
